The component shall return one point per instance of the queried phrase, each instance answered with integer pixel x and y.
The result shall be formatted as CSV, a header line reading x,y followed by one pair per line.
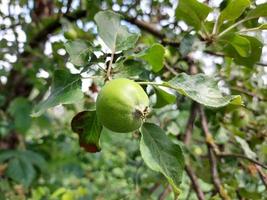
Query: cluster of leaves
x,y
136,56
66,90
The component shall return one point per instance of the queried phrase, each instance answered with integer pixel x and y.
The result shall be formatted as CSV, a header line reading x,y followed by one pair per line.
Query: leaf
x,y
163,98
89,129
252,58
79,52
65,89
34,158
20,109
240,44
202,89
154,56
259,11
21,171
186,44
233,10
7,154
129,68
2,97
114,35
192,12
244,145
161,155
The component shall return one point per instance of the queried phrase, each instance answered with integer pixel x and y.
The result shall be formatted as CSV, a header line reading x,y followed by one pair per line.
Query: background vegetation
x,y
221,45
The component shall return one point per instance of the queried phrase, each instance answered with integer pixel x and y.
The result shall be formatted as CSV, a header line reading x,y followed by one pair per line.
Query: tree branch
x,y
152,30
187,138
238,89
195,185
212,158
222,154
165,193
262,175
190,123
68,5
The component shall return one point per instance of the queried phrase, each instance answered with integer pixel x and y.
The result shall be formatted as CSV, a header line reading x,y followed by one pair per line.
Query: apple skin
x,y
121,105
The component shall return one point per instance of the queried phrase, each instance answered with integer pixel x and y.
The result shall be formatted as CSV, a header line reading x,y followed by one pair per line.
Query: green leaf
x,y
79,52
240,44
252,58
154,56
129,68
259,11
2,97
7,154
163,98
244,145
29,156
20,109
186,44
161,155
192,12
202,89
20,171
115,36
233,10
89,129
65,89
34,158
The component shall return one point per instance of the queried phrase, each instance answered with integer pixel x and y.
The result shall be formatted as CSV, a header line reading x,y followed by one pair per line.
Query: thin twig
x,y
190,123
165,193
231,27
221,154
262,64
154,187
145,26
248,93
110,65
68,6
189,193
195,185
170,69
187,138
212,157
262,175
152,30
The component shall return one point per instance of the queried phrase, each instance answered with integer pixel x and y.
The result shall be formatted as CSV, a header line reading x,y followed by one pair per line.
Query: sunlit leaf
x,y
115,36
192,12
79,52
233,10
163,98
252,58
65,89
129,68
259,11
202,89
240,44
154,56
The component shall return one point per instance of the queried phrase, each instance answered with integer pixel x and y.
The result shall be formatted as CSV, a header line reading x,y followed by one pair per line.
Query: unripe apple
x,y
122,105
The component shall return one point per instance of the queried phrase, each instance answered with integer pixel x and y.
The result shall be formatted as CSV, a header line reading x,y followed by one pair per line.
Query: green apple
x,y
122,105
